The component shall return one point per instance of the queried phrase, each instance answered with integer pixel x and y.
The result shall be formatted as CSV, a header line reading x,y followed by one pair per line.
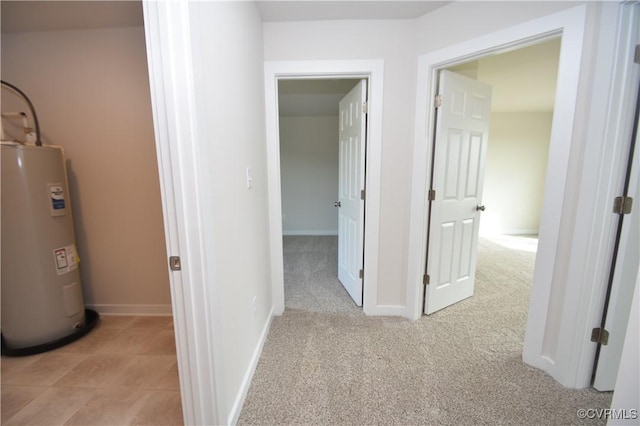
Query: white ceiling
x,y
25,16
312,97
272,11
530,71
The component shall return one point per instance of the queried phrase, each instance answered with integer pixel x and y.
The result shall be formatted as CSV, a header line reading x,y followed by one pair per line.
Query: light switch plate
x,y
249,178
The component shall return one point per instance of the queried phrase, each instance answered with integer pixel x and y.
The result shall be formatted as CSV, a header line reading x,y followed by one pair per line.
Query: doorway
x,y
309,127
358,69
544,325
559,154
569,263
511,175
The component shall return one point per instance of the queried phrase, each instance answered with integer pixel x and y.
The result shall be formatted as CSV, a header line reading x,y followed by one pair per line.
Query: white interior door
x,y
352,135
623,286
625,272
460,146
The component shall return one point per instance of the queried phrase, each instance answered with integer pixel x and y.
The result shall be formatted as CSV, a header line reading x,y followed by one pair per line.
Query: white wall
x,y
228,77
515,172
309,174
90,89
397,42
464,20
393,42
524,88
523,80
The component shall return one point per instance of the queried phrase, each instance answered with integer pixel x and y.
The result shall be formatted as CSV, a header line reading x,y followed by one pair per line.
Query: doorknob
x,y
337,204
480,208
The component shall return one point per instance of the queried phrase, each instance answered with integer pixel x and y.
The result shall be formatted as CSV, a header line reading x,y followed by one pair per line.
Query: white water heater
x,y
42,301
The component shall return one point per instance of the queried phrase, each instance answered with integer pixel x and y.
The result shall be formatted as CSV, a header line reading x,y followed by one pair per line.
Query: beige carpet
x,y
310,276
460,366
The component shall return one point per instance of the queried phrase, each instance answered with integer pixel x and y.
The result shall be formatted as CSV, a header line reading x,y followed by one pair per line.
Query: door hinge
x,y
600,335
438,101
365,107
361,274
622,205
432,194
425,279
174,263
636,57
362,194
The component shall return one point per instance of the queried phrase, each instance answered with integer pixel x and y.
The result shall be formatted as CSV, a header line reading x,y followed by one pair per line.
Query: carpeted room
x,y
324,362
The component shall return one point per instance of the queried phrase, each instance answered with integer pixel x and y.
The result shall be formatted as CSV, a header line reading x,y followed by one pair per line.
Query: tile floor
x,y
124,372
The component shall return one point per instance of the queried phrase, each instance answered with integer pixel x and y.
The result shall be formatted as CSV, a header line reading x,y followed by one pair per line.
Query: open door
x,y
459,152
352,135
624,269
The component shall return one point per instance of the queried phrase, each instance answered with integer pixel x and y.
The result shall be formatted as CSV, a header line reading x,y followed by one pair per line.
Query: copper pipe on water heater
x,y
31,108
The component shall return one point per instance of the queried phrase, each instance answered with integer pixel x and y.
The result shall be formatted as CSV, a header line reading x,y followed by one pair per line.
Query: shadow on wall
x,y
80,234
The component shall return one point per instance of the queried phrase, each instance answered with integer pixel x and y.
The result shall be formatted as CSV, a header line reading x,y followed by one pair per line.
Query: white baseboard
x,y
234,414
311,233
141,310
387,311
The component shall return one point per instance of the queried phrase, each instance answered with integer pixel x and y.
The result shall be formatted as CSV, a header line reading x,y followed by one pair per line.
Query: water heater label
x,y
56,195
66,259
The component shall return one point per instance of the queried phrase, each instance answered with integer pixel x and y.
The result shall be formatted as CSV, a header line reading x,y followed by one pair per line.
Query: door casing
x,y
373,70
626,267
560,315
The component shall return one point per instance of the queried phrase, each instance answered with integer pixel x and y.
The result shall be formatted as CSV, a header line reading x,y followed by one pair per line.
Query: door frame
x,y
628,75
428,69
183,186
373,70
566,289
